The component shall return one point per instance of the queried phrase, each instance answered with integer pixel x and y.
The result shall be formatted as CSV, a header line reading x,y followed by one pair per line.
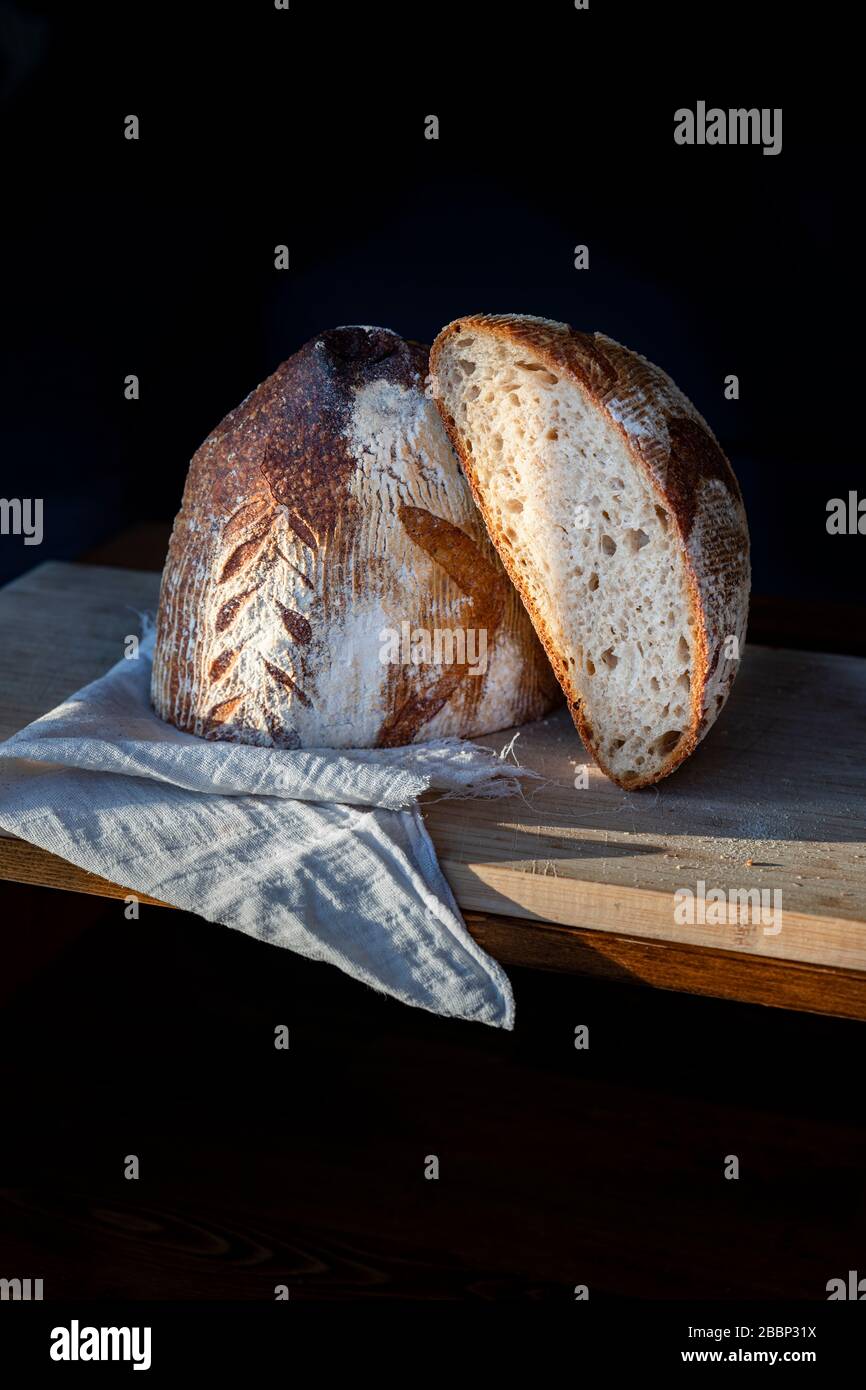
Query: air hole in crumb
x,y
617,744
668,742
640,761
466,366
683,649
663,517
514,504
530,366
684,681
610,658
590,666
617,482
606,515
608,545
496,443
636,540
593,582
553,434
514,398
473,393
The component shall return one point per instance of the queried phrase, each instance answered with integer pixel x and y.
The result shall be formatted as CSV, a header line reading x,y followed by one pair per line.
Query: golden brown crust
x,y
486,586
297,541
677,452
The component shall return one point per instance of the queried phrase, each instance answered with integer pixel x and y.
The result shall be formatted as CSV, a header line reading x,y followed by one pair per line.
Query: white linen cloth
x,y
320,851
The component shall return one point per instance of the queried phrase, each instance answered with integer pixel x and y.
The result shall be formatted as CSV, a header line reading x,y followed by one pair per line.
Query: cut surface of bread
x,y
617,517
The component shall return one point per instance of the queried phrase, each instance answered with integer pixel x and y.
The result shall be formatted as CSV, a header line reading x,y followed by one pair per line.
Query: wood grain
x,y
548,946
668,965
561,878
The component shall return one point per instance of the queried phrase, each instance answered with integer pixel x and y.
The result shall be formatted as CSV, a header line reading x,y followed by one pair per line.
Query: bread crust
x,y
678,454
299,539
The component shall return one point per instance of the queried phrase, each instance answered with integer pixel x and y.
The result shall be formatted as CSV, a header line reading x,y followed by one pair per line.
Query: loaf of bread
x,y
326,537
619,520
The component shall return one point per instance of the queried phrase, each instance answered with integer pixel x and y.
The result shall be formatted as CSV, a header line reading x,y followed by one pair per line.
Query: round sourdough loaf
x,y
329,581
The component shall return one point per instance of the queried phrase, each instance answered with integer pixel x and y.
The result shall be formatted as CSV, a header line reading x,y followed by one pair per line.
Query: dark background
x,y
557,1167
307,128
156,258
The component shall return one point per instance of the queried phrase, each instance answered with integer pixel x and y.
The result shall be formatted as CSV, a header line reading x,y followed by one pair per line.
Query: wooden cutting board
x,y
774,800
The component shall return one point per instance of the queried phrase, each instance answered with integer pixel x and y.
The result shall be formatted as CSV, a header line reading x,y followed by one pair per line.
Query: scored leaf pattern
x,y
254,527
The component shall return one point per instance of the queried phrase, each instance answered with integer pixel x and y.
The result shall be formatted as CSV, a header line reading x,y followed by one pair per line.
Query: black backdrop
x,y
307,128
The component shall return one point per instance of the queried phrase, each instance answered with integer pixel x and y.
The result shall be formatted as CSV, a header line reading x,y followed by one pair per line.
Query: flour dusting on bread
x,y
327,509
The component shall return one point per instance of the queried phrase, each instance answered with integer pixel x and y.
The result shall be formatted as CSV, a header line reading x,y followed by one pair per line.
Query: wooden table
x,y
565,879
602,1166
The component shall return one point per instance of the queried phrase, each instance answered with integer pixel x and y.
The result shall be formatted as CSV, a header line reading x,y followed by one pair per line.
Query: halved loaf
x,y
619,520
326,536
